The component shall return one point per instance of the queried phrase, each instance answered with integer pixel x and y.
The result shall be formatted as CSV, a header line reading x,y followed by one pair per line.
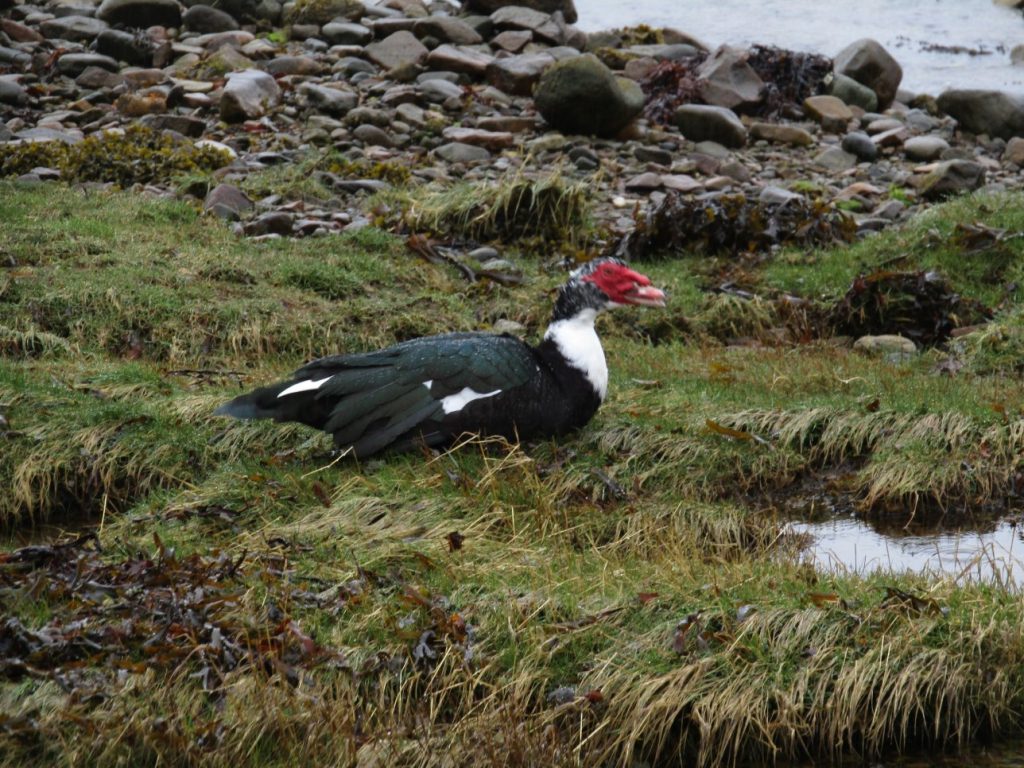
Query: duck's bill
x,y
645,296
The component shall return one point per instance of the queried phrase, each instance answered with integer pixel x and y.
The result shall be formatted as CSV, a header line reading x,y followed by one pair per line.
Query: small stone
x,y
294,65
831,113
247,95
204,19
447,29
455,59
542,26
853,93
681,182
397,50
836,159
74,64
645,182
140,14
333,101
373,136
952,177
699,122
492,140
346,33
1014,152
12,93
925,148
778,133
193,127
82,29
511,40
457,152
653,155
890,347
517,75
272,223
727,80
227,202
137,50
773,196
860,144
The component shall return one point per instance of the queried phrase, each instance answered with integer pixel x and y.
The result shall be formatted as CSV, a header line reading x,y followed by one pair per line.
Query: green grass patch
x,y
626,595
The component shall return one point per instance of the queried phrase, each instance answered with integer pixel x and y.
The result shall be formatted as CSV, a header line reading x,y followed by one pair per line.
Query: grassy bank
x,y
630,594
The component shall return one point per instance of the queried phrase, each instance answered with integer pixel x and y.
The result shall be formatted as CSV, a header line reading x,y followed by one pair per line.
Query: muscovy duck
x,y
433,389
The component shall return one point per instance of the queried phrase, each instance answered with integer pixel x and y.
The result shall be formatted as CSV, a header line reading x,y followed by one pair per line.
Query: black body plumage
x,y
432,390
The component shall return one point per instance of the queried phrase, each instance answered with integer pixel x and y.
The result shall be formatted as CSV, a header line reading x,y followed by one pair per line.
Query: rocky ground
x,y
405,92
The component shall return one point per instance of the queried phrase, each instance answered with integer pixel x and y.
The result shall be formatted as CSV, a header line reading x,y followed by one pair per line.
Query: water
x,y
848,545
909,29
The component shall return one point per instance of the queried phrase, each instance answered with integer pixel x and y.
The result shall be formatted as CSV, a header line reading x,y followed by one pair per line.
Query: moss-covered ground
x,y
231,594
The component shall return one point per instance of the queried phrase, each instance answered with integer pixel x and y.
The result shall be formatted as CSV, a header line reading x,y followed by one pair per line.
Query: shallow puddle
x,y
846,544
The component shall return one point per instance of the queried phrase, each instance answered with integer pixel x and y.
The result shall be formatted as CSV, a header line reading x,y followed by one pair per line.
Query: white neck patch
x,y
578,342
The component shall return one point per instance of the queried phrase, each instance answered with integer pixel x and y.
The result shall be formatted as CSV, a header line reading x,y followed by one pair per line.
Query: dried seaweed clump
x,y
789,76
732,224
549,208
139,155
669,85
922,306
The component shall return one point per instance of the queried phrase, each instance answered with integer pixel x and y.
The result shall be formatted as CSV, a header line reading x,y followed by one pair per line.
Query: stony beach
x,y
453,94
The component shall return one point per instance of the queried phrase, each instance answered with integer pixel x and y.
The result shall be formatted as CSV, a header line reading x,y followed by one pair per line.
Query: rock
x,y
952,177
294,65
95,78
204,19
925,148
73,64
1017,55
439,91
138,104
192,127
836,159
227,202
645,182
247,95
12,93
979,111
867,62
136,50
773,196
49,134
567,7
727,80
517,75
457,152
75,28
830,112
272,223
542,26
581,95
699,122
860,144
451,59
346,33
511,40
332,101
892,347
894,137
492,140
653,155
21,33
853,93
322,12
681,182
1014,152
883,124
779,133
397,50
140,13
372,135
447,29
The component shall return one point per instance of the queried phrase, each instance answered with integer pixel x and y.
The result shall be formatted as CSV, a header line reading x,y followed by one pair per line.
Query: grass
x,y
626,596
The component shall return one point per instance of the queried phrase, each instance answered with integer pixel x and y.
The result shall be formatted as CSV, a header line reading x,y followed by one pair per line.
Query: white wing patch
x,y
581,347
303,386
461,399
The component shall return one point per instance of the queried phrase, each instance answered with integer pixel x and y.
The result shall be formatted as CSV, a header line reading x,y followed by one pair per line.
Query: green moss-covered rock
x,y
581,95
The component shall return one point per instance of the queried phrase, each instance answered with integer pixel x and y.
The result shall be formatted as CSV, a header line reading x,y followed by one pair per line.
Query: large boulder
x,y
727,80
581,95
700,122
140,13
867,62
567,7
992,112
